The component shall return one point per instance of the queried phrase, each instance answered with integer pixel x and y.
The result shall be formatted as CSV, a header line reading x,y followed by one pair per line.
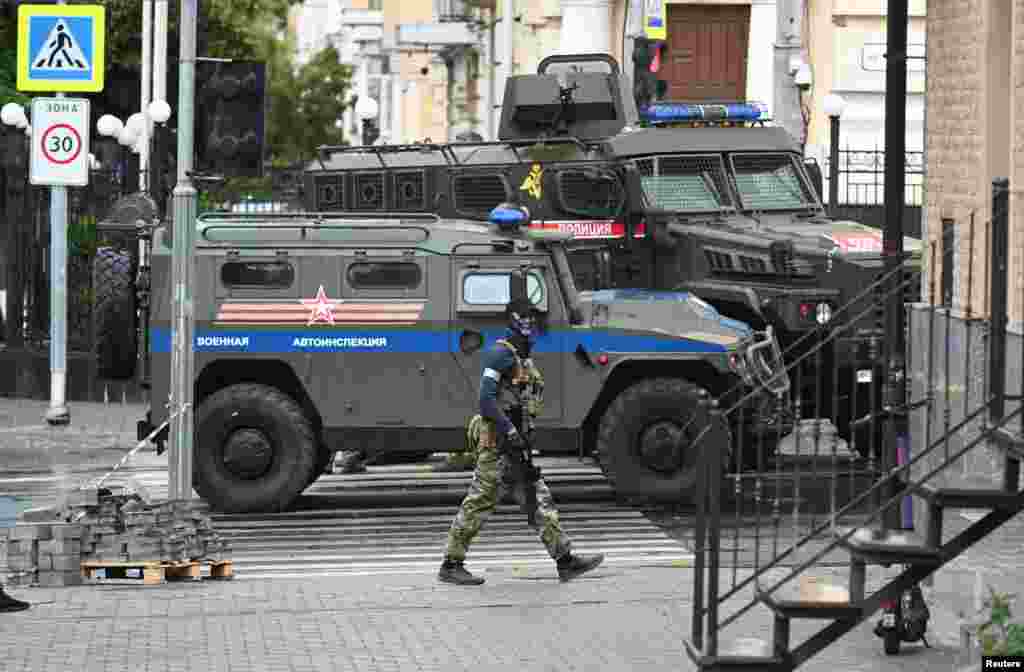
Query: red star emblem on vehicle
x,y
322,307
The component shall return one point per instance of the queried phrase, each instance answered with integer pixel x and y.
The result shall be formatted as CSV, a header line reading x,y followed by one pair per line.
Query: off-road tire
x,y
289,433
113,314
635,408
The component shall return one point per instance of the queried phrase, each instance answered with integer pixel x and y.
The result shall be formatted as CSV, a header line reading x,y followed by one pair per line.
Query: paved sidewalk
x,y
99,434
619,620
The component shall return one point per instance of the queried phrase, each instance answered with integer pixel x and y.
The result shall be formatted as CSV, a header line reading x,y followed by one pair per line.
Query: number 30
x,y
65,144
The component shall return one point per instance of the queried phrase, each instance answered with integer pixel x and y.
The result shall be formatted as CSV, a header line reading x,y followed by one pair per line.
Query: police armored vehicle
x,y
317,332
706,199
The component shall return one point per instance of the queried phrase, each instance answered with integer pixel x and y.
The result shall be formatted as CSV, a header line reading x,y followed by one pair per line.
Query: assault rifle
x,y
527,473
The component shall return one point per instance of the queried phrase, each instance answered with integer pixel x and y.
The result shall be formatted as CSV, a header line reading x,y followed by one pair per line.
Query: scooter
x,y
903,620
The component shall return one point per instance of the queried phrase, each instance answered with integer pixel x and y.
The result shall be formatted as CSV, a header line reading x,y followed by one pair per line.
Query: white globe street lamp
x,y
137,122
109,126
159,111
128,135
12,114
834,105
367,108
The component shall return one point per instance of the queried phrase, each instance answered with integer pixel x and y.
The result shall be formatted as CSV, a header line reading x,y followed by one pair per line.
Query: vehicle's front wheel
x,y
646,441
255,449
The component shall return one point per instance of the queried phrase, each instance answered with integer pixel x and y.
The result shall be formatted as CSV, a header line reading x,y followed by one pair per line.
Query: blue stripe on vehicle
x,y
414,341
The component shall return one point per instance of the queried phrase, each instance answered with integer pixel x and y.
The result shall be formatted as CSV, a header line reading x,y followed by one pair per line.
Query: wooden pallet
x,y
155,572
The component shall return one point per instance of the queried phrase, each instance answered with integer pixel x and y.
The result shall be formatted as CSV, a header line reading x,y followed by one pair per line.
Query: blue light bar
x,y
508,217
721,112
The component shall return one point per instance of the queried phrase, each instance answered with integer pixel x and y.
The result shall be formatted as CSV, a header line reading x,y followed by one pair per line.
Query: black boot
x,y
8,603
570,566
350,462
452,571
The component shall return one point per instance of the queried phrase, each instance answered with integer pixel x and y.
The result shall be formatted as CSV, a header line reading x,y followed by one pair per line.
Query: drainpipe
x,y
508,12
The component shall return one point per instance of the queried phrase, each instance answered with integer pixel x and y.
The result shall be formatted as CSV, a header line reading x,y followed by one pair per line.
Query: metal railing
x,y
757,527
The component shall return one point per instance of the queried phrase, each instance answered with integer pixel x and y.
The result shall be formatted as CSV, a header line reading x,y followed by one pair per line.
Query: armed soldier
x,y
502,455
531,394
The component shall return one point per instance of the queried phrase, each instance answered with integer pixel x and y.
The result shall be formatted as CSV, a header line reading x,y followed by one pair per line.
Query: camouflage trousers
x,y
493,479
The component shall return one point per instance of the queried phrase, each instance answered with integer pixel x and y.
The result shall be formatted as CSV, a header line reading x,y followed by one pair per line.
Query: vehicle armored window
x,y
489,290
771,182
590,192
384,275
270,274
690,183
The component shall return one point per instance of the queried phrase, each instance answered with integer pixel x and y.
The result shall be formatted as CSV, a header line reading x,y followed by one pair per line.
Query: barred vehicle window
x,y
276,274
691,183
385,275
590,193
770,182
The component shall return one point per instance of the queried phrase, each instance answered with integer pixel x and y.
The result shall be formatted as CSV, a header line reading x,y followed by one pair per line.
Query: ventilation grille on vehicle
x,y
753,264
477,195
590,193
410,190
369,191
330,193
719,261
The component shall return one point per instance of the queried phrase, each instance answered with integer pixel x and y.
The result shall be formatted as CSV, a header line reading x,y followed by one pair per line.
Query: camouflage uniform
x,y
495,477
532,397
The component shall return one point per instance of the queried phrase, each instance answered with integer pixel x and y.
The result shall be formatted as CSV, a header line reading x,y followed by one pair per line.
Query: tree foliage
x,y
303,103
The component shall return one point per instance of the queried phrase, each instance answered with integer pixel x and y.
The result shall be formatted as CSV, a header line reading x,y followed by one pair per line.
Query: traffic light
x,y
648,56
230,100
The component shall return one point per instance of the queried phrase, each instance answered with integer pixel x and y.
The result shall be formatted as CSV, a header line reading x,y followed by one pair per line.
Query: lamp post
x,y
833,105
367,111
159,111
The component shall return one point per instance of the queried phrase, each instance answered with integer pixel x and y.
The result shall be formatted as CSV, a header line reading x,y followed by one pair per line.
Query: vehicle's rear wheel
x,y
646,440
113,314
255,449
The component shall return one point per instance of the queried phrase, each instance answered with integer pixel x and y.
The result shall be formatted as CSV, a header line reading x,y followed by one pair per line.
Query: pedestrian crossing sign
x,y
61,48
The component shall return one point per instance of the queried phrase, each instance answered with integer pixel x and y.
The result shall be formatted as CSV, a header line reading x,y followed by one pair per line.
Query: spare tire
x,y
113,314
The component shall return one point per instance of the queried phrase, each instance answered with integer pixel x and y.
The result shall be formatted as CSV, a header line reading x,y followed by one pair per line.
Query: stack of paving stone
x,y
45,554
170,532
111,524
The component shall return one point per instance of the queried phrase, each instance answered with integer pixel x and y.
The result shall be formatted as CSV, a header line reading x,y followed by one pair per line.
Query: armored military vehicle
x,y
707,199
317,332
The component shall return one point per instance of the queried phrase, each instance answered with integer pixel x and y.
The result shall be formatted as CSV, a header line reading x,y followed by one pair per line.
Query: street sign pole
x,y
183,231
75,61
58,413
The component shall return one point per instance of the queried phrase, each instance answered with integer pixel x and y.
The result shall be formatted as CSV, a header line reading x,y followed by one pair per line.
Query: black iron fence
x,y
25,210
759,538
862,188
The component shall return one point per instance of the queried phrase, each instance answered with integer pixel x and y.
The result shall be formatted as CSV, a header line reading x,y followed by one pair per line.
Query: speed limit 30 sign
x,y
60,142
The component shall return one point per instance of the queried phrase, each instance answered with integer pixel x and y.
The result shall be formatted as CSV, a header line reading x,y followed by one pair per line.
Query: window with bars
x,y
770,182
691,183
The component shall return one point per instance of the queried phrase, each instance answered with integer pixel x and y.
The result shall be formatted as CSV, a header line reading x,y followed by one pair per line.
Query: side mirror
x,y
470,341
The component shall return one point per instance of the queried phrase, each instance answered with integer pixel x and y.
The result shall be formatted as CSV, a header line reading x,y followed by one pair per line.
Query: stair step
x,y
896,547
737,654
813,598
970,498
1009,441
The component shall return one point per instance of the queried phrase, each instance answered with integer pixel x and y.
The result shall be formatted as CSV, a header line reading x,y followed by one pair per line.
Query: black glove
x,y
514,441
